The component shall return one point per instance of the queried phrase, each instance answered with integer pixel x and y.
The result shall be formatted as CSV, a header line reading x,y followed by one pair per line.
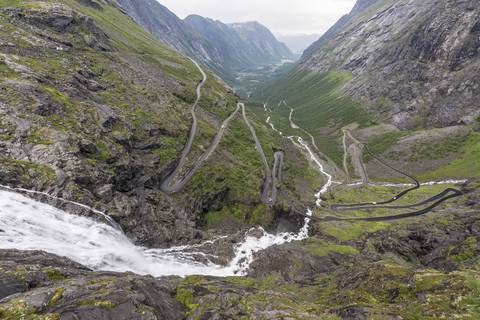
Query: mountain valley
x,y
344,186
232,51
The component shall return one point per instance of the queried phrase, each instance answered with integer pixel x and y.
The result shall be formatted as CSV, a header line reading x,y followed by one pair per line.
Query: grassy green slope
x,y
319,109
322,111
147,88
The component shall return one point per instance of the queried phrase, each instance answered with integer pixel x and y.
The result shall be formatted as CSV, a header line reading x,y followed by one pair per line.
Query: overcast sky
x,y
287,17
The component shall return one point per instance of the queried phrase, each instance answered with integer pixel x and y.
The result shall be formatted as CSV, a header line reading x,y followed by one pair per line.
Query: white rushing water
x,y
320,168
26,224
301,144
107,217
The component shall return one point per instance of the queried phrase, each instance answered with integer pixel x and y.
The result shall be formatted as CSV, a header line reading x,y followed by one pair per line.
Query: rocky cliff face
x,y
412,62
242,45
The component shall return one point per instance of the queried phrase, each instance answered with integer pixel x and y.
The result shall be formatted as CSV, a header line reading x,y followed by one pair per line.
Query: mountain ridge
x,y
94,114
408,27
246,44
414,65
94,110
214,49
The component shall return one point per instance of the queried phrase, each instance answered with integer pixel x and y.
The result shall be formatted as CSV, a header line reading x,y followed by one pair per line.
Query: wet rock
x,y
86,295
290,263
88,146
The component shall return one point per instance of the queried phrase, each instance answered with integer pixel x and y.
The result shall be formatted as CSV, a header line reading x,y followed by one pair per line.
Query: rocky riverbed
x,y
423,266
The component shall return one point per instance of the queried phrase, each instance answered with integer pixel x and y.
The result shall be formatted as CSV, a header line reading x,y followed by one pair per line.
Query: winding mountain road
x,y
438,198
446,194
360,161
266,185
168,186
165,184
355,206
441,198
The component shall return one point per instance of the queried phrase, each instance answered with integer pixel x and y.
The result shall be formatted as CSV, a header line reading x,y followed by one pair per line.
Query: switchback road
x,y
168,186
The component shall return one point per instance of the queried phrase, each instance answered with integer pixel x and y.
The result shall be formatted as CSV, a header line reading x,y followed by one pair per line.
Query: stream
x,y
26,224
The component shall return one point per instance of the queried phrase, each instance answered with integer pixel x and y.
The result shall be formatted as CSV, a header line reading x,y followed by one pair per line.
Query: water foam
x,y
26,224
303,145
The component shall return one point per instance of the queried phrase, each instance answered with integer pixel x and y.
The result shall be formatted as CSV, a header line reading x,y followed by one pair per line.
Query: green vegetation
x,y
54,274
465,165
57,296
46,174
129,36
242,174
17,309
186,296
86,87
423,147
17,274
103,280
371,193
142,308
380,144
248,80
464,252
437,149
322,247
318,109
229,183
107,304
35,138
24,4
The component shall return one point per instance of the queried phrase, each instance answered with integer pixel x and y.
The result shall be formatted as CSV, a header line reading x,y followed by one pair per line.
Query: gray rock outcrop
x,y
412,61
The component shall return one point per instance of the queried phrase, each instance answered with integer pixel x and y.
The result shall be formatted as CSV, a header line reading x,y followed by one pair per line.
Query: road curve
x,y
167,187
266,185
442,198
448,193
438,198
360,161
364,171
395,198
165,184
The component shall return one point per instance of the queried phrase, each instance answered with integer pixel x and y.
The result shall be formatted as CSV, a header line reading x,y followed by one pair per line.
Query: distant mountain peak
x,y
224,48
409,63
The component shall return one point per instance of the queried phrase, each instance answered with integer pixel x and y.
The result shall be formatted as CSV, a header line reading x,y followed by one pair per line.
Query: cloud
x,y
281,16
